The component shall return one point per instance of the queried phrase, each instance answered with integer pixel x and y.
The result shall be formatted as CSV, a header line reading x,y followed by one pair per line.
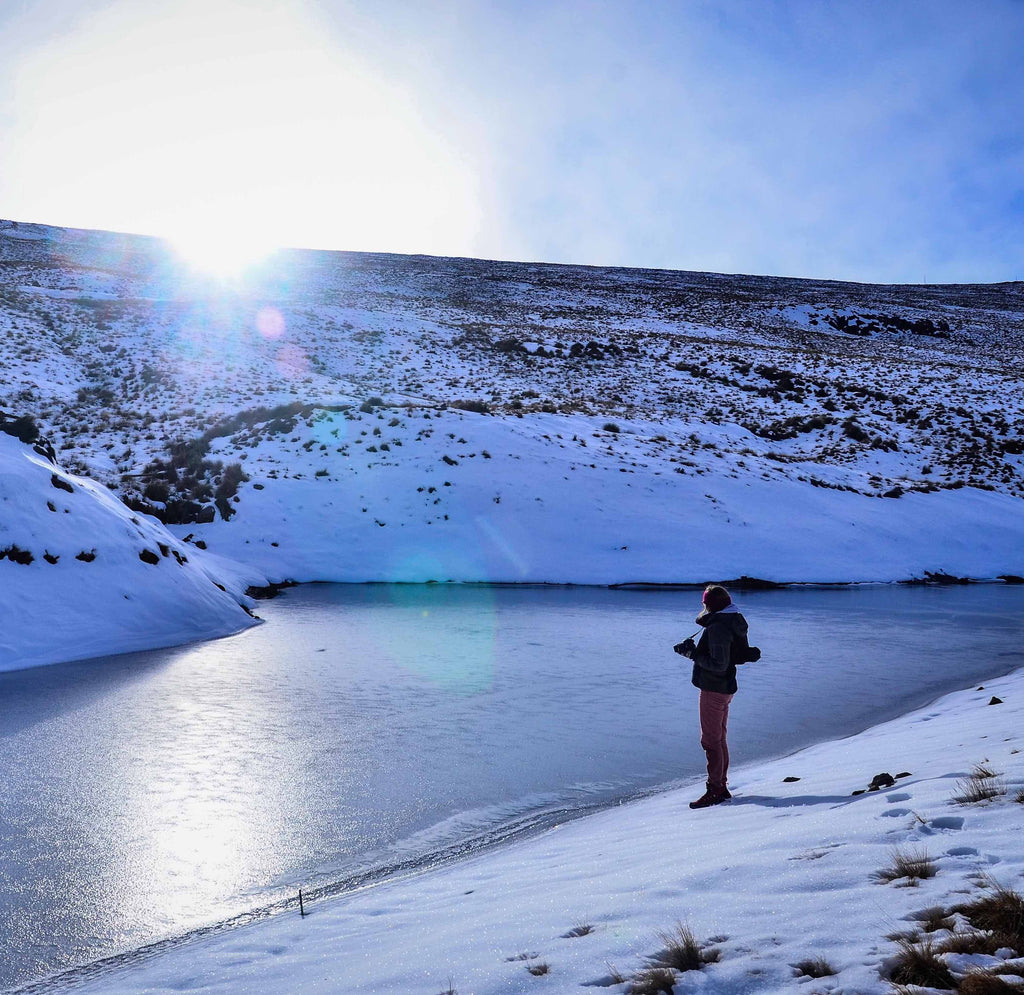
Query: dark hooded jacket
x,y
722,645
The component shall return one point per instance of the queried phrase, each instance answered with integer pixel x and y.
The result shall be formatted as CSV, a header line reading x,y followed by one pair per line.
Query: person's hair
x,y
715,597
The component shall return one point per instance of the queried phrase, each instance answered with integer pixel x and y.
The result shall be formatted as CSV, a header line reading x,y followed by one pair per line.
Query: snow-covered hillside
x,y
371,417
82,575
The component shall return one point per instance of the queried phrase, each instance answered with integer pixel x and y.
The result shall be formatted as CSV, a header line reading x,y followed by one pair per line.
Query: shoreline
x,y
272,590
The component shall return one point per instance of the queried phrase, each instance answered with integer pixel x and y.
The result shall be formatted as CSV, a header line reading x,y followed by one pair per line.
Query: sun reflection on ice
x,y
212,817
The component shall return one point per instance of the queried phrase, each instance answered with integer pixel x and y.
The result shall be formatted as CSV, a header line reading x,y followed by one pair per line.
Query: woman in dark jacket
x,y
721,646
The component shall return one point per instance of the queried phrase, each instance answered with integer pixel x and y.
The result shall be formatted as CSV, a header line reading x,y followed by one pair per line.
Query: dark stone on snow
x,y
16,554
270,591
61,483
1011,579
148,556
905,773
50,558
859,791
790,780
883,780
86,556
996,701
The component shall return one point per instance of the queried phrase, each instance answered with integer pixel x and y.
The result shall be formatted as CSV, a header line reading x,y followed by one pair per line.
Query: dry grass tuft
x,y
539,969
578,929
912,864
985,983
1019,797
910,935
816,967
682,951
918,964
982,784
1001,913
615,976
968,942
653,981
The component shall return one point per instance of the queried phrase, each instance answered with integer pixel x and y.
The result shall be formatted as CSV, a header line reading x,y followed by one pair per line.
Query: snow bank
x,y
785,872
84,576
554,498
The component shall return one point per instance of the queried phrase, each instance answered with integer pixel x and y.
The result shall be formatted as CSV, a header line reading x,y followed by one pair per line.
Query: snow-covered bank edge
x,y
82,575
761,879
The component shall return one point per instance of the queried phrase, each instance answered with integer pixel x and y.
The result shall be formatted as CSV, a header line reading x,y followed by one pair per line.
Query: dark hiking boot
x,y
711,797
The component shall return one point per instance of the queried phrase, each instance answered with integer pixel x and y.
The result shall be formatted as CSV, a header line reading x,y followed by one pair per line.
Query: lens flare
x,y
270,323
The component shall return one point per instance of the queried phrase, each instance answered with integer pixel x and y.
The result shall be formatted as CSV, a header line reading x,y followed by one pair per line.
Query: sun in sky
x,y
876,142
230,129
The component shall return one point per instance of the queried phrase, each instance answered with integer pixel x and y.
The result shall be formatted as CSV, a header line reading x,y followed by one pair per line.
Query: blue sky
x,y
861,141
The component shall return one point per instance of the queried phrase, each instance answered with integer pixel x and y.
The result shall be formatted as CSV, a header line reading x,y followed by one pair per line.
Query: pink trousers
x,y
714,717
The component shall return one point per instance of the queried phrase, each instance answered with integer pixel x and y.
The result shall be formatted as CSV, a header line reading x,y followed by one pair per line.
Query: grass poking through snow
x,y
681,950
1001,913
981,785
816,967
912,864
919,964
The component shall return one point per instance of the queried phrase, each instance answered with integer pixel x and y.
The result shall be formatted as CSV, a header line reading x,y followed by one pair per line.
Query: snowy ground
x,y
786,872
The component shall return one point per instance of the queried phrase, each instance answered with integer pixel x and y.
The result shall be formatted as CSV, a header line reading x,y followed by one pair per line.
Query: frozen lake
x,y
373,727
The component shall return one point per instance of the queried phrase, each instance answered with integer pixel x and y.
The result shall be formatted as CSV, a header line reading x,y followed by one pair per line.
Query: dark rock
x,y
270,591
859,791
16,554
50,558
86,556
905,773
790,780
996,701
61,483
449,460
148,556
883,780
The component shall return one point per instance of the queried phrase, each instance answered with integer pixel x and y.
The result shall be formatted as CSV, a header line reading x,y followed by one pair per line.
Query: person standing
x,y
721,646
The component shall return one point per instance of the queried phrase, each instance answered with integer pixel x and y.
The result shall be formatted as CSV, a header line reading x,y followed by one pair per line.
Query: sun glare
x,y
233,127
225,252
